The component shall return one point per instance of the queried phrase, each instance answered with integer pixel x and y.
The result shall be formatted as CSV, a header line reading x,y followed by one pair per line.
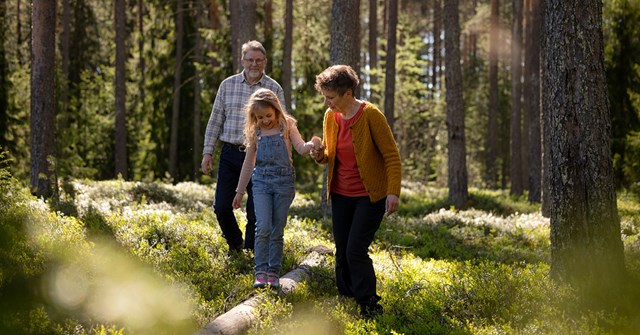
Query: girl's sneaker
x,y
261,280
273,280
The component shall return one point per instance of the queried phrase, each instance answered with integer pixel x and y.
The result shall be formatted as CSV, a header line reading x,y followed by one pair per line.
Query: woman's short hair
x,y
339,78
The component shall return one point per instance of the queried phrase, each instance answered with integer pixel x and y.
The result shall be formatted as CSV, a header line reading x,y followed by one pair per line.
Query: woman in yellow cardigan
x,y
363,181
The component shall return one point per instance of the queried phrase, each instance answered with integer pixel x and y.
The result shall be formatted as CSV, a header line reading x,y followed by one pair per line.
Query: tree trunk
x,y
4,69
177,80
492,126
197,137
121,112
458,192
43,20
243,28
532,62
515,174
214,21
268,33
437,46
585,229
18,31
286,54
390,66
64,55
373,49
345,34
344,49
524,98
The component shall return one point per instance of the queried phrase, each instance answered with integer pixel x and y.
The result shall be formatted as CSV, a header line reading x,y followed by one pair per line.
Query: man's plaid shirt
x,y
226,122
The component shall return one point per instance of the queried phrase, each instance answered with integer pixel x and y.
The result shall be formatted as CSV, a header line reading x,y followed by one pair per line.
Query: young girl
x,y
269,135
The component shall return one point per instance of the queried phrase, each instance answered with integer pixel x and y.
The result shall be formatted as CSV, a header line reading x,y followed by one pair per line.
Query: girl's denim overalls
x,y
273,192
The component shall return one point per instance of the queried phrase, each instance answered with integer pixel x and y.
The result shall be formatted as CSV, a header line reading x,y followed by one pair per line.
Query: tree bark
x,y
214,21
43,20
344,49
585,233
345,34
492,126
286,54
197,89
515,174
437,46
268,33
243,28
121,112
4,69
532,61
390,66
373,49
177,81
458,191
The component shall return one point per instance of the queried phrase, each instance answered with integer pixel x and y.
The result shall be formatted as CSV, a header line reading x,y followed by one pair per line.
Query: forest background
x,y
177,53
134,83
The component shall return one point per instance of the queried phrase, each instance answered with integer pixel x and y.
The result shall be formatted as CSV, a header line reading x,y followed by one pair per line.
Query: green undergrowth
x,y
116,257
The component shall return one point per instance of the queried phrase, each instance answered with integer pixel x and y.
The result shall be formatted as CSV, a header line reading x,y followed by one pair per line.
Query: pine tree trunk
x,y
458,192
585,229
373,49
121,112
492,126
345,34
437,46
177,82
390,66
268,33
515,174
43,20
533,74
4,84
286,54
243,27
197,113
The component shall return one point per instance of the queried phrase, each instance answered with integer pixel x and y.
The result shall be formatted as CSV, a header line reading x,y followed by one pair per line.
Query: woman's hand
x,y
392,203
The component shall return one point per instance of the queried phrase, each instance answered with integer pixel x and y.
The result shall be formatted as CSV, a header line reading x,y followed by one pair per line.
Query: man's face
x,y
254,62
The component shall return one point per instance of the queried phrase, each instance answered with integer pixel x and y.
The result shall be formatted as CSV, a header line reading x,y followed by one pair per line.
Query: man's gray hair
x,y
253,45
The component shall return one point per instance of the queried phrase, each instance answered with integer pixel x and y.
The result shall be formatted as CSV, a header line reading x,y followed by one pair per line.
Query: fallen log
x,y
243,316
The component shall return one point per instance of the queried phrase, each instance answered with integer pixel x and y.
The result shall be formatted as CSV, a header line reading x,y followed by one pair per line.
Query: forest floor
x,y
116,257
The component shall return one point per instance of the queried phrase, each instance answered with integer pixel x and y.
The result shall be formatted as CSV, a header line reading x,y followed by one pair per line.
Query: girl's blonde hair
x,y
260,99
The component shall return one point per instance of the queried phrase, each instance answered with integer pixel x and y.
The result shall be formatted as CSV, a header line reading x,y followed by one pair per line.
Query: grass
x,y
117,257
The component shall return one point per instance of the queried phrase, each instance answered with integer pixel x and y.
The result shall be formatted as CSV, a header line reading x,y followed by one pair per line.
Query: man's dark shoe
x,y
235,251
371,309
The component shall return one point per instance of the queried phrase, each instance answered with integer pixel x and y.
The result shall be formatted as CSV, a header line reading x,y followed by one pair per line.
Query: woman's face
x,y
338,103
266,117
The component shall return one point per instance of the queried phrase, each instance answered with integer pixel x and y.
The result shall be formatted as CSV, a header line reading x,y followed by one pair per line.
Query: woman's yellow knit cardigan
x,y
376,151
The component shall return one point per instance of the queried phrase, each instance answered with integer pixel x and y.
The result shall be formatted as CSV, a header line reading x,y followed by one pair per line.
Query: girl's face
x,y
266,117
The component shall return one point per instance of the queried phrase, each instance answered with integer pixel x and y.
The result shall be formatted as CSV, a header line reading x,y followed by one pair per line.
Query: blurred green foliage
x,y
155,251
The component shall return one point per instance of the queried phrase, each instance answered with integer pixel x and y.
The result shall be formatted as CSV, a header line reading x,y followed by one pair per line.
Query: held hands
x,y
317,152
